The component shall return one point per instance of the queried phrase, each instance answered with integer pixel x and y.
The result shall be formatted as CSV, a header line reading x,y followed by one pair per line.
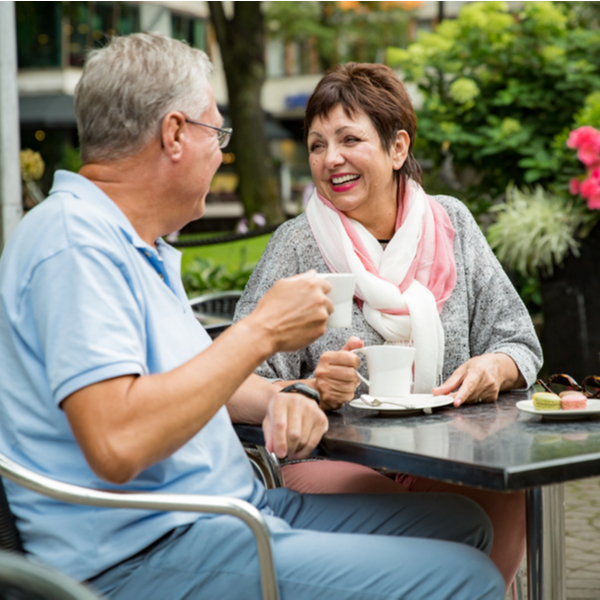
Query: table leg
x,y
546,570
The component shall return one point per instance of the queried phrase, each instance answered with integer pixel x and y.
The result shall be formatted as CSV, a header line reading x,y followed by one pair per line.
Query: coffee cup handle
x,y
363,379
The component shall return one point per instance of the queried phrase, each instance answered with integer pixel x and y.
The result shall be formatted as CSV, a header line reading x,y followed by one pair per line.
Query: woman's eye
x,y
350,139
314,147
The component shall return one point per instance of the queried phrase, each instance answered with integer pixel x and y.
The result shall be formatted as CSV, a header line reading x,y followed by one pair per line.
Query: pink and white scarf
x,y
403,287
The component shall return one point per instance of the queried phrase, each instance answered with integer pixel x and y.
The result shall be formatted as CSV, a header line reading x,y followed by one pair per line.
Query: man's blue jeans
x,y
329,547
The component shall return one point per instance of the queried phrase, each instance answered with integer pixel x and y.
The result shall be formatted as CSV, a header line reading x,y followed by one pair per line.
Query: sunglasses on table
x,y
560,382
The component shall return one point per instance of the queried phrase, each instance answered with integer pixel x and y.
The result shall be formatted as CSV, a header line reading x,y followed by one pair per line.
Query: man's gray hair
x,y
127,88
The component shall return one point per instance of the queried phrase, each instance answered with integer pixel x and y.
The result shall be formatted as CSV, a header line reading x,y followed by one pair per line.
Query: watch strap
x,y
302,388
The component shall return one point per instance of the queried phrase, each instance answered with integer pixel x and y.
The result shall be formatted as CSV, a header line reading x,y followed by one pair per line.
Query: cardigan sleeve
x,y
499,321
284,256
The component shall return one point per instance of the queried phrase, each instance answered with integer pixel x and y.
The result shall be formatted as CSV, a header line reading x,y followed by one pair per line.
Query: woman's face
x,y
350,167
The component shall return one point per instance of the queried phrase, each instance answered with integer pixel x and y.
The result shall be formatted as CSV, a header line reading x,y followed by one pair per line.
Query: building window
x,y
91,24
190,30
57,34
38,34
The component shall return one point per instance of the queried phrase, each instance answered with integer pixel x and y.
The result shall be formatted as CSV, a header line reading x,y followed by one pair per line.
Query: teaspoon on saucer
x,y
370,401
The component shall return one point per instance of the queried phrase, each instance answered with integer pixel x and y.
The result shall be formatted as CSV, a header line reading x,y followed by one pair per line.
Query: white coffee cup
x,y
390,370
341,294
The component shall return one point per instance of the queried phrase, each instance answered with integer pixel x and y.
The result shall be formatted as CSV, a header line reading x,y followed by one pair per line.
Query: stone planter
x,y
571,308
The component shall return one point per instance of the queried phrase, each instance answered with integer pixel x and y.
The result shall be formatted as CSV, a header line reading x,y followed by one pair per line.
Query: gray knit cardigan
x,y
483,314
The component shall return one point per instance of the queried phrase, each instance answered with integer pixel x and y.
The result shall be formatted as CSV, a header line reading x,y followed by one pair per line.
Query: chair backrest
x,y
9,534
215,311
219,304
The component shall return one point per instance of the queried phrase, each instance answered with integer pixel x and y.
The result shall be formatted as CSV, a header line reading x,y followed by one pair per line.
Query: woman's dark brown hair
x,y
374,90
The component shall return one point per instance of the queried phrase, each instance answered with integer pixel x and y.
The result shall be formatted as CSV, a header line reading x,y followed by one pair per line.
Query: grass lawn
x,y
229,254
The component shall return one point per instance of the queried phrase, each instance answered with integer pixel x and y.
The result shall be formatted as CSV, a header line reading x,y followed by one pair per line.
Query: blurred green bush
x,y
204,275
498,88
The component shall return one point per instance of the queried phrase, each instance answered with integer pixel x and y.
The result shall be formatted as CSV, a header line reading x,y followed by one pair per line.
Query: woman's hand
x,y
335,376
481,379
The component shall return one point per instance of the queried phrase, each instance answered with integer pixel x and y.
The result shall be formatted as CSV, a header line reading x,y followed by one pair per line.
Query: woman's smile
x,y
344,181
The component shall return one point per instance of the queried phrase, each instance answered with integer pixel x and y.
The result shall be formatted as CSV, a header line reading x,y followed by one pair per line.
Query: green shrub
x,y
535,230
204,276
498,88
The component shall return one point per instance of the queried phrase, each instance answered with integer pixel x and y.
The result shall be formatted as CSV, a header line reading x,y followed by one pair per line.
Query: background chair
x,y
146,501
215,311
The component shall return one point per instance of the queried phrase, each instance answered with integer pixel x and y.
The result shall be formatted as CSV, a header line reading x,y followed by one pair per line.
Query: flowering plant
x,y
32,165
32,170
586,140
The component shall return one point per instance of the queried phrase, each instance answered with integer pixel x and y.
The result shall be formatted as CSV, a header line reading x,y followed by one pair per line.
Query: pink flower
x,y
584,137
590,189
589,157
594,203
259,219
574,186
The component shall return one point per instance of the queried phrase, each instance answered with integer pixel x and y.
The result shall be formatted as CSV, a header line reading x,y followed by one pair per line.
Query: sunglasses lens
x,y
562,383
591,386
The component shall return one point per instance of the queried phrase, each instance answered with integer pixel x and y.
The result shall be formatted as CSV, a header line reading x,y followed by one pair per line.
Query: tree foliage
x,y
340,31
499,87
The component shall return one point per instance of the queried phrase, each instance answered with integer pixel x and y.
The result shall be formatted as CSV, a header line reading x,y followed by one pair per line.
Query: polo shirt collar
x,y
83,189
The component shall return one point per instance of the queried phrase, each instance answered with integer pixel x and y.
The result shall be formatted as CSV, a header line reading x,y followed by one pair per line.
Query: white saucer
x,y
421,402
593,408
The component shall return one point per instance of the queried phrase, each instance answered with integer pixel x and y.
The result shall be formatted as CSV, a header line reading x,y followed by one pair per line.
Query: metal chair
x,y
215,311
21,579
9,534
265,465
65,492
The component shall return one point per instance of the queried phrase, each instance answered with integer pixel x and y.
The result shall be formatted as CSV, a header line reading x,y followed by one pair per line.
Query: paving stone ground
x,y
582,526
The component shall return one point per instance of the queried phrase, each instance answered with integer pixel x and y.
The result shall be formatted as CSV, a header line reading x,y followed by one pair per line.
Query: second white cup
x,y
341,294
390,370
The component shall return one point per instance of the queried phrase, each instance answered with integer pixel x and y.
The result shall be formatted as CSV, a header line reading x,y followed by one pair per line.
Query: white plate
x,y
593,408
421,401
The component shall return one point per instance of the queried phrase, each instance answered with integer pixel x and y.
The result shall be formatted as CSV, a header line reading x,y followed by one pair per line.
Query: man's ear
x,y
400,149
171,134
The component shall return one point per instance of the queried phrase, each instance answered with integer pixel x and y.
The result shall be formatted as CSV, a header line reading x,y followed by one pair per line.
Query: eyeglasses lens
x,y
223,137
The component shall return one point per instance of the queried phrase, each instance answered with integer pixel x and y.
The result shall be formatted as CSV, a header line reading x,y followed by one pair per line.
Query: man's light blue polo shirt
x,y
83,299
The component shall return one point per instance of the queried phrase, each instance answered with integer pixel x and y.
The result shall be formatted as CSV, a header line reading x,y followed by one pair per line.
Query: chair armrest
x,y
74,494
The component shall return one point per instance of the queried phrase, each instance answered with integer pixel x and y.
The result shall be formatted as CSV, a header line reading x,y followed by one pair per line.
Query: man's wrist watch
x,y
302,388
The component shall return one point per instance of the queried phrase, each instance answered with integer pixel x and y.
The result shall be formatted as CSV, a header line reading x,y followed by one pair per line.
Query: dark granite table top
x,y
494,445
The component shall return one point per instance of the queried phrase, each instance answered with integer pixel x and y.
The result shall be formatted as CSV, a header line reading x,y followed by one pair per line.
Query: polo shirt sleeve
x,y
88,318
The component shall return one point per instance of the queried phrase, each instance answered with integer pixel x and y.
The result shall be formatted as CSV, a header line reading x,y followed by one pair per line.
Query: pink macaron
x,y
573,401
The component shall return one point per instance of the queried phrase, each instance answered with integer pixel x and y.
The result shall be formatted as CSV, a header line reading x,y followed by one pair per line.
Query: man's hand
x,y
294,311
294,425
482,378
335,376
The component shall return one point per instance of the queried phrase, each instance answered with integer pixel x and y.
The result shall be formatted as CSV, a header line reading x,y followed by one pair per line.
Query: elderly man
x,y
109,381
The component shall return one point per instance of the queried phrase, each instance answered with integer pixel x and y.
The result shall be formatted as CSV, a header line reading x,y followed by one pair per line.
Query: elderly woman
x,y
425,275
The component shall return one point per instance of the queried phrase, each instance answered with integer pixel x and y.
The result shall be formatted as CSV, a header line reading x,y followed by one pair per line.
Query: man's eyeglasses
x,y
561,382
223,133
